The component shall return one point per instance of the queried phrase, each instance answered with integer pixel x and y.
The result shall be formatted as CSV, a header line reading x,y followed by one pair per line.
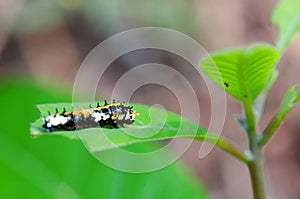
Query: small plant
x,y
245,73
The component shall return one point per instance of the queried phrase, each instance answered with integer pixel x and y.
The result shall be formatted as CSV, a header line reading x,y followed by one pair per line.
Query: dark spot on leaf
x,y
245,95
226,84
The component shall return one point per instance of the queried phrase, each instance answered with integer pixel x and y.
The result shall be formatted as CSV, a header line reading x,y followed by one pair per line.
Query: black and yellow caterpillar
x,y
113,115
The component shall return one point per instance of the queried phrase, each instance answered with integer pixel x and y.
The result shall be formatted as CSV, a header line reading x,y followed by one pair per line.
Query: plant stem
x,y
255,165
251,126
256,175
224,145
270,130
290,99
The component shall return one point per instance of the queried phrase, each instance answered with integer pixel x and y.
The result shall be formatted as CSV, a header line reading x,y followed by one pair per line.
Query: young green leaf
x,y
242,72
290,99
152,124
286,17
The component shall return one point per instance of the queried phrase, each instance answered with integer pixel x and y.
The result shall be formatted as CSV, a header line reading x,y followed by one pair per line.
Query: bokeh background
x,y
43,43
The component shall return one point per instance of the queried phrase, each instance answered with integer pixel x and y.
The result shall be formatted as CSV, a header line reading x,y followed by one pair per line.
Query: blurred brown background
x,y
48,40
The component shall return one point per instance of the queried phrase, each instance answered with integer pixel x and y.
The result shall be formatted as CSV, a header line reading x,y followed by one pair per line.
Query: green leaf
x,y
55,167
242,72
286,17
291,97
150,120
152,124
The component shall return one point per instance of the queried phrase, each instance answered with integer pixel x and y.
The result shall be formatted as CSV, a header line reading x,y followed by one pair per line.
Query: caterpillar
x,y
109,115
